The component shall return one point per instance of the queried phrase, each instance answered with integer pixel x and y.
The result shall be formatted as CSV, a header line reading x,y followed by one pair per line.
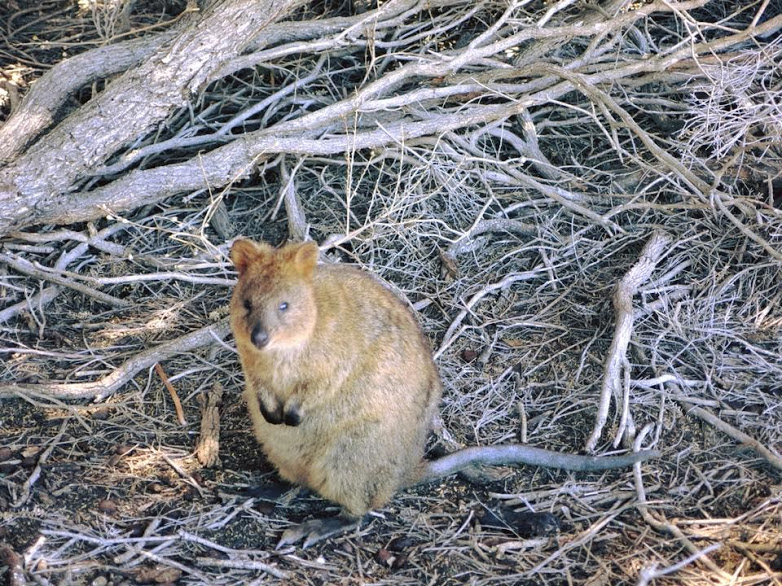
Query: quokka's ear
x,y
245,252
305,257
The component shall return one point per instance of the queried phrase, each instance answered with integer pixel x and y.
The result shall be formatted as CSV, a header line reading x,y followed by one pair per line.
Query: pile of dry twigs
x,y
582,201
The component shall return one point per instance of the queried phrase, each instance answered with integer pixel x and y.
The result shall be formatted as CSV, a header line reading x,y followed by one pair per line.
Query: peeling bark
x,y
130,107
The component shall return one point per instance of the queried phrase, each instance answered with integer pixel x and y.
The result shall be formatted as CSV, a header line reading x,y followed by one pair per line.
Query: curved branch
x,y
47,95
238,159
626,289
100,389
84,140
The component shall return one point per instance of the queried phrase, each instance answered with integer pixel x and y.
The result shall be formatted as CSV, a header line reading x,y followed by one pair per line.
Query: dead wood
x,y
33,186
50,182
208,447
503,165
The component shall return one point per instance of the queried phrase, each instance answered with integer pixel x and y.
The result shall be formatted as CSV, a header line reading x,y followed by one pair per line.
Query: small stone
x,y
107,506
101,414
383,556
469,355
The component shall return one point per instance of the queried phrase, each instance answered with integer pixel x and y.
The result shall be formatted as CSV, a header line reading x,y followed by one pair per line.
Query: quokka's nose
x,y
259,336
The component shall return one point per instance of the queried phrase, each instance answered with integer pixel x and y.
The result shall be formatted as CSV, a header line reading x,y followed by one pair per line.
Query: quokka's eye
x,y
248,305
283,306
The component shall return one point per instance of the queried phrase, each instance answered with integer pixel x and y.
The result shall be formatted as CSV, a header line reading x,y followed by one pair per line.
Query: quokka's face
x,y
273,304
275,317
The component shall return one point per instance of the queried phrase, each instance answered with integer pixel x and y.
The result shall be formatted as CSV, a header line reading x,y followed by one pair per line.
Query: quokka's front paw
x,y
289,414
273,415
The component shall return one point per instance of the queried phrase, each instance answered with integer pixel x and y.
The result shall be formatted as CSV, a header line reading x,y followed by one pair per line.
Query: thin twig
x,y
180,413
36,473
771,456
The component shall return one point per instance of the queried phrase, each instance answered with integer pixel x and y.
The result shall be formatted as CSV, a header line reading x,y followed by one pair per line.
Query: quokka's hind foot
x,y
279,493
316,530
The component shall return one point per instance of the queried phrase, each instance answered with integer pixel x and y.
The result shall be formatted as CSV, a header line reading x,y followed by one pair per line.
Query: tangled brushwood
x,y
581,200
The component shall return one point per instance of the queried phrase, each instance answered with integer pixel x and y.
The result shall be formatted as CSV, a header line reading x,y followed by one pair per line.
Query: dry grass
x,y
510,240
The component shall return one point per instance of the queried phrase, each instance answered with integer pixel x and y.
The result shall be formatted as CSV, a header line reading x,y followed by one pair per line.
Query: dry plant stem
x,y
237,510
179,75
623,307
297,221
26,267
103,541
208,446
156,186
647,575
158,277
180,413
776,577
565,198
97,241
186,536
243,565
466,242
448,338
390,15
183,473
626,424
586,537
37,301
772,457
663,526
109,384
586,85
185,569
134,550
774,253
36,473
221,135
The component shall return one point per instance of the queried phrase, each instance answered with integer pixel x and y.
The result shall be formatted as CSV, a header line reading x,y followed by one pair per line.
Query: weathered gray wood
x,y
130,107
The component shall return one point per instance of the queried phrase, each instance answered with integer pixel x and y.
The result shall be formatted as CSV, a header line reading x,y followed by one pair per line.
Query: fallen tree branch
x,y
771,456
109,384
28,268
85,139
45,98
613,375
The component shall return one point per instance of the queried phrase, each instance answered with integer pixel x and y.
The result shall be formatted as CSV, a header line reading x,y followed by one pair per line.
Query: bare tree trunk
x,y
37,187
88,165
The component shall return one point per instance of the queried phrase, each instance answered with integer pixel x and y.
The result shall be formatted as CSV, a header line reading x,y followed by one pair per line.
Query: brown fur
x,y
346,359
347,378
